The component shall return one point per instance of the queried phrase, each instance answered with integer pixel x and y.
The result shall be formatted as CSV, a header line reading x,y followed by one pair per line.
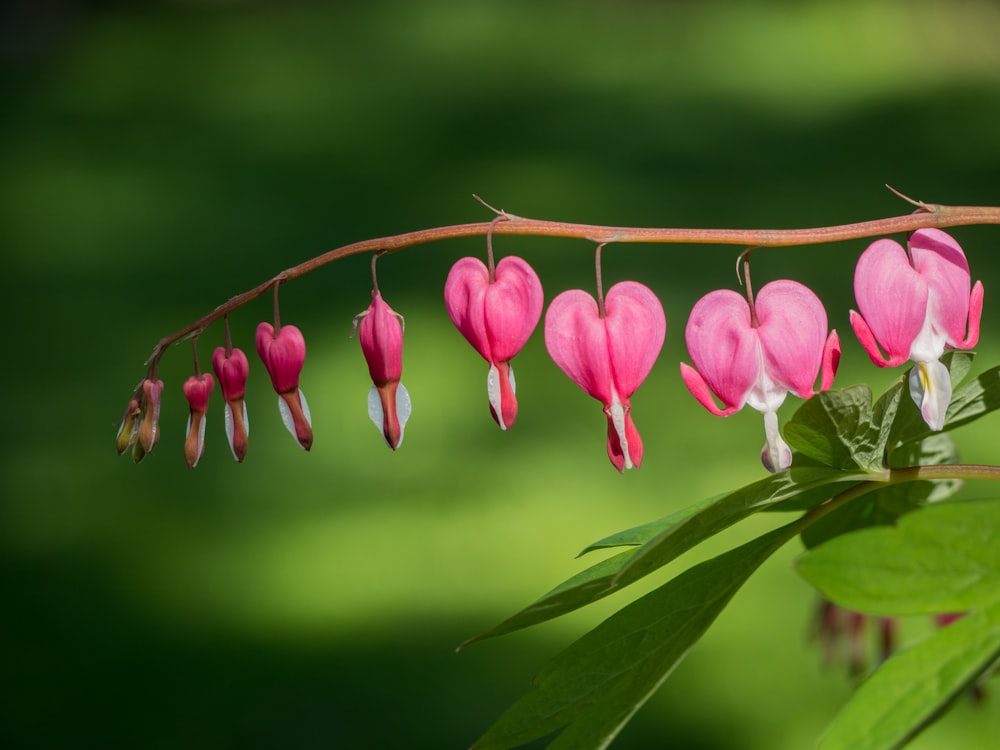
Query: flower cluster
x,y
913,302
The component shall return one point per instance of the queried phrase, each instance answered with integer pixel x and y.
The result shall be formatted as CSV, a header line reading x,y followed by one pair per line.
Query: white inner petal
x,y
375,413
493,391
617,413
403,409
776,455
930,389
929,343
230,426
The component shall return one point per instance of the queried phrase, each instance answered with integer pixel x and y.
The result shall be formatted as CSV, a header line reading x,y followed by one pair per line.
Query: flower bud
x,y
232,370
283,353
197,389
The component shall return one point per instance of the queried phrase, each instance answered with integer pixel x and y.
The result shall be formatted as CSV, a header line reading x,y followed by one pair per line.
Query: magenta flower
x,y
232,370
283,353
497,314
755,357
380,331
915,305
609,356
197,389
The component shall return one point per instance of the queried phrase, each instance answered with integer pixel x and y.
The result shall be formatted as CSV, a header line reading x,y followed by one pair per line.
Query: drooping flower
x,y
755,357
197,389
149,429
232,370
128,428
609,356
497,314
283,353
380,331
915,305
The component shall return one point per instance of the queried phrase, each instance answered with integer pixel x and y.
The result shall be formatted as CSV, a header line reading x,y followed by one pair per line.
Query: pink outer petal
x,y
700,390
892,298
636,327
975,314
232,371
870,345
381,336
464,298
792,334
498,318
577,341
513,306
283,355
941,262
831,361
197,389
724,349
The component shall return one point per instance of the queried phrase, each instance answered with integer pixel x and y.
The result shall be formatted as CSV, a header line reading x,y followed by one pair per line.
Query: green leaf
x,y
969,402
884,506
663,540
913,687
942,558
795,483
836,428
641,534
591,689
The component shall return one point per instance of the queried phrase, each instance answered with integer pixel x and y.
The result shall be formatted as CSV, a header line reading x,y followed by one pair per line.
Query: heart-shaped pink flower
x,y
284,353
609,357
756,358
915,305
497,316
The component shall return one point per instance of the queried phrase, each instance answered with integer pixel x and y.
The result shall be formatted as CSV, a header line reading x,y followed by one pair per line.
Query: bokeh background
x,y
159,157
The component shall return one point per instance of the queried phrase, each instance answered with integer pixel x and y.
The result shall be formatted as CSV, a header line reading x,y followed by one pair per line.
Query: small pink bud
x,y
149,430
609,357
232,370
497,316
197,389
283,353
380,331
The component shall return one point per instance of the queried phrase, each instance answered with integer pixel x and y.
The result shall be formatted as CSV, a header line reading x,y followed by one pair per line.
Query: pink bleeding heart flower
x,y
755,357
197,389
497,314
283,353
915,305
232,370
380,331
609,356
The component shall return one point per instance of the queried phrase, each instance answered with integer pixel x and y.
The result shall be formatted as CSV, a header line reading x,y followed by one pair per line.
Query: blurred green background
x,y
159,157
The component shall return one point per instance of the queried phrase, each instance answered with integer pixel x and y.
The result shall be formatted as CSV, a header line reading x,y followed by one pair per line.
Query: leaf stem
x,y
894,476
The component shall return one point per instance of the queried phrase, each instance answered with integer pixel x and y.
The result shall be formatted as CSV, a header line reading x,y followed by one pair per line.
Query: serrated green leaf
x,y
593,687
942,558
910,689
665,539
884,506
836,429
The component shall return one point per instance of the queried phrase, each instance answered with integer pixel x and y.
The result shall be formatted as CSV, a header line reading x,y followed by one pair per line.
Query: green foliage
x,y
942,559
855,474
